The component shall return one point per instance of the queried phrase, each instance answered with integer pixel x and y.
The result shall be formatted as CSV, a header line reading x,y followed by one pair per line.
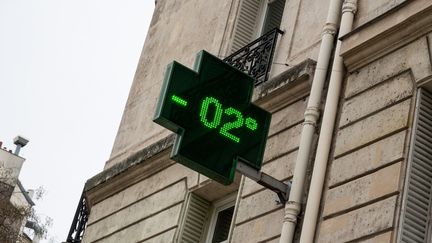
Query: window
x,y
272,15
220,220
416,214
255,18
207,222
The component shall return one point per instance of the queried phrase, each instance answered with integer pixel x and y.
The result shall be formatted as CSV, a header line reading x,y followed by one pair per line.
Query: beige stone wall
x,y
304,20
365,183
302,23
148,211
151,208
259,216
368,10
180,29
362,196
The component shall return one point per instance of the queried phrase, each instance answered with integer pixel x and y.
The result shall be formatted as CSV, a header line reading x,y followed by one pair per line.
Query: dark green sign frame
x,y
211,111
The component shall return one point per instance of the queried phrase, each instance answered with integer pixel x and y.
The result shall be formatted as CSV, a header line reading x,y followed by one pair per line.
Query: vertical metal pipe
x,y
17,149
329,116
293,206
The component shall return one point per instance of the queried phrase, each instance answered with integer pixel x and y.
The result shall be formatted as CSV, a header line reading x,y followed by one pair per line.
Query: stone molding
x,y
286,87
394,30
130,171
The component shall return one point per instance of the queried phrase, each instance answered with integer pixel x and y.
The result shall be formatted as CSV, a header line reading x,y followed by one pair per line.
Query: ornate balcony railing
x,y
79,222
256,57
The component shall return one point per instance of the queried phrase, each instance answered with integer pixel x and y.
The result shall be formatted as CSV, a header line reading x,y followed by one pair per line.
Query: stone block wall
x,y
143,199
366,175
259,216
178,31
365,182
148,211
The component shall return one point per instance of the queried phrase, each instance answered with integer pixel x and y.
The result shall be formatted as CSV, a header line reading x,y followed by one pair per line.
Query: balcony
x,y
256,57
79,222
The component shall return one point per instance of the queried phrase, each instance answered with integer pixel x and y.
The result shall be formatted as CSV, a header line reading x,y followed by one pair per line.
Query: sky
x,y
66,67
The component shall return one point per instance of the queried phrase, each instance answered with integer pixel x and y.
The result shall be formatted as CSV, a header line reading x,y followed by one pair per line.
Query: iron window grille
x,y
256,57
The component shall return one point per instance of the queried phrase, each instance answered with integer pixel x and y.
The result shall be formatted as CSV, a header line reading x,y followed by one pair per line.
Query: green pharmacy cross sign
x,y
210,109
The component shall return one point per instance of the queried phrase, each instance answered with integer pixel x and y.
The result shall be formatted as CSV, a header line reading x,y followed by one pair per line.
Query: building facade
x,y
348,89
15,201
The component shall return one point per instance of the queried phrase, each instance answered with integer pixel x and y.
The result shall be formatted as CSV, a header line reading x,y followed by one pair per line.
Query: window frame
x,y
262,18
217,207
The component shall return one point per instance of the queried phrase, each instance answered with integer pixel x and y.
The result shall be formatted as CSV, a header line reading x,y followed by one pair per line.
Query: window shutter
x,y
417,204
274,15
194,220
246,25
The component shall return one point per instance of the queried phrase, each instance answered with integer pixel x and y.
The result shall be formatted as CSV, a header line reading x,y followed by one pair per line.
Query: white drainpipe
x,y
293,206
329,116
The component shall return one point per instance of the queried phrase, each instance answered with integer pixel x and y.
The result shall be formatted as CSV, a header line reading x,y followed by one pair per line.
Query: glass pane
x,y
274,15
223,224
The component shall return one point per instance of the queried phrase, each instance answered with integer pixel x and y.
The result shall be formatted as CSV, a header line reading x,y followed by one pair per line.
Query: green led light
x,y
251,124
210,110
204,112
179,100
226,129
232,125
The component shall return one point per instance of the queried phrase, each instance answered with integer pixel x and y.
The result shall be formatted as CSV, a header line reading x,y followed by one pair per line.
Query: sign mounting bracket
x,y
282,189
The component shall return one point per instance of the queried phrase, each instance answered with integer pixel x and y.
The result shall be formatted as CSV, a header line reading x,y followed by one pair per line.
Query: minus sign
x,y
179,100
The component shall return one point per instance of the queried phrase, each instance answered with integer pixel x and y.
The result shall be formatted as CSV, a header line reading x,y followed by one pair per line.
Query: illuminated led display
x,y
217,117
237,123
251,124
205,110
179,100
211,111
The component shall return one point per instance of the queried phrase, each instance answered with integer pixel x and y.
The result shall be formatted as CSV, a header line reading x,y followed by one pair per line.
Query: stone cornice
x,y
392,31
286,87
129,171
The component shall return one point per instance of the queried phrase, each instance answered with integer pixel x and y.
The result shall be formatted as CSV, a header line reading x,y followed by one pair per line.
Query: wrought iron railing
x,y
79,222
256,57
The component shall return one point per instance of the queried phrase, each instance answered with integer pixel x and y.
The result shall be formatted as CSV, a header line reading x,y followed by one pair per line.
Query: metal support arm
x,y
265,180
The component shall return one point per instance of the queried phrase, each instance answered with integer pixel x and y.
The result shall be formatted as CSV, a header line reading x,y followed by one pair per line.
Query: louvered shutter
x,y
195,219
417,204
274,15
246,24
